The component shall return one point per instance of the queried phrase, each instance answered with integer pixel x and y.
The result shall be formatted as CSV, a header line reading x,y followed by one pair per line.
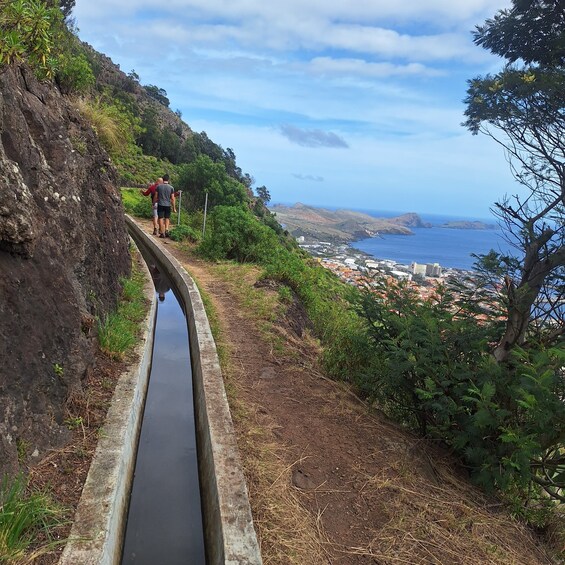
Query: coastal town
x,y
355,267
330,235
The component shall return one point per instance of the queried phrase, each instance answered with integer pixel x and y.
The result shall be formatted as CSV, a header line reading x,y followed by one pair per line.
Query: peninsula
x,y
346,226
468,225
341,226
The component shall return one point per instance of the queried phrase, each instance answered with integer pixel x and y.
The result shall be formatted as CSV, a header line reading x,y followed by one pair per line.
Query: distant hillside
x,y
158,131
341,225
109,74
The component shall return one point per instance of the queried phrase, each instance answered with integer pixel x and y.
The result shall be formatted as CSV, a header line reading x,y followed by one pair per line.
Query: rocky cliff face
x,y
63,249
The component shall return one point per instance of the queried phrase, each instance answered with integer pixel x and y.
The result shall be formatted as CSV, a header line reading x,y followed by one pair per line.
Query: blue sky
x,y
342,104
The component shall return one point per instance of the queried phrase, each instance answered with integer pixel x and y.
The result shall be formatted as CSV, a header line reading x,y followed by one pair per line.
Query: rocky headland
x,y
468,225
346,226
341,226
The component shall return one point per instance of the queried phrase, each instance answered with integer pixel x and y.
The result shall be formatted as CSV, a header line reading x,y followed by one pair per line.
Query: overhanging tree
x,y
532,31
523,109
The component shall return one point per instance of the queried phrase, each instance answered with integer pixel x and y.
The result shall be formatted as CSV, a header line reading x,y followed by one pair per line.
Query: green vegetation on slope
x,y
127,116
30,31
427,363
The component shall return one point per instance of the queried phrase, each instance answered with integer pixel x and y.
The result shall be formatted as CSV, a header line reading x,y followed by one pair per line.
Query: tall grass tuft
x,y
112,129
117,333
22,517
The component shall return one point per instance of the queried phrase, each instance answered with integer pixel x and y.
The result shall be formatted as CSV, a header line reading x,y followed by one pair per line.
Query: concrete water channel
x,y
164,523
188,502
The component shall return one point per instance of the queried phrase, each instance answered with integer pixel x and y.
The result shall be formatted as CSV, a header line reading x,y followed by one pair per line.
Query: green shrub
x,y
183,232
143,208
127,178
135,168
285,294
204,177
234,233
130,196
30,31
136,204
196,220
433,370
330,306
74,73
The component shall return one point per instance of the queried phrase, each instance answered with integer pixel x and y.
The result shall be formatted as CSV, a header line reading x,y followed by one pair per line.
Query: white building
x,y
418,269
428,270
433,270
401,275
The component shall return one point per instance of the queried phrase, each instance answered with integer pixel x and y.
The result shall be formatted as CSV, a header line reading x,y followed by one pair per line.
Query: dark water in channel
x,y
165,520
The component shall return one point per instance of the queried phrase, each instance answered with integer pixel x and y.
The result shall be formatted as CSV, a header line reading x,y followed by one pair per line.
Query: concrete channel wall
x,y
228,525
99,522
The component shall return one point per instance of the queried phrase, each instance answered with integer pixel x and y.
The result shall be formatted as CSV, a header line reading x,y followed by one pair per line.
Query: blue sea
x,y
448,247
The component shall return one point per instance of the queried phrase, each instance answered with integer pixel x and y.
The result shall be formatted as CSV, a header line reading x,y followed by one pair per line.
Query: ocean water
x,y
448,247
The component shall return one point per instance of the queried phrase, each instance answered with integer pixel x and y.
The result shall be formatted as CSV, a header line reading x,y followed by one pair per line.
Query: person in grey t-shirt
x,y
165,197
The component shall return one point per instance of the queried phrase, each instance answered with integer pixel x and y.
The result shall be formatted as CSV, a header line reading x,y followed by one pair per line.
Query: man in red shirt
x,y
150,192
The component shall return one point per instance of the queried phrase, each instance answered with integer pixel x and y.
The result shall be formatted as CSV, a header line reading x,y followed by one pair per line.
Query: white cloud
x,y
423,173
314,178
361,27
385,79
438,12
360,67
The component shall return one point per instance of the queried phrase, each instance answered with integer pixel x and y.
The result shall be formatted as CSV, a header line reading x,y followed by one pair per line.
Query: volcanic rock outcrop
x,y
63,250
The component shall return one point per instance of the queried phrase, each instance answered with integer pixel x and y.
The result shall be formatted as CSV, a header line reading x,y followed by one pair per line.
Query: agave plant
x,y
14,14
11,47
28,31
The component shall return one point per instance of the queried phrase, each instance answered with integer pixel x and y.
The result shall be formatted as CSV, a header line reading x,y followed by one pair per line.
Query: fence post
x,y
180,205
205,210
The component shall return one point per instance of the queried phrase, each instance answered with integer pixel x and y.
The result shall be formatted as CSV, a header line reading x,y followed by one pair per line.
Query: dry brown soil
x,y
330,481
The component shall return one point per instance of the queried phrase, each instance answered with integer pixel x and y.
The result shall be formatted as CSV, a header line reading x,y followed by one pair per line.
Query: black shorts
x,y
163,211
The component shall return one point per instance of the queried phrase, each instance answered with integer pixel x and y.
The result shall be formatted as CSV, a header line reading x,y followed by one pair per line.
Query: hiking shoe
x,y
154,231
162,235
